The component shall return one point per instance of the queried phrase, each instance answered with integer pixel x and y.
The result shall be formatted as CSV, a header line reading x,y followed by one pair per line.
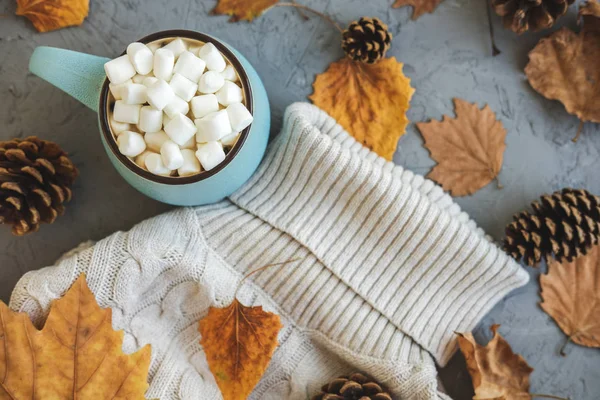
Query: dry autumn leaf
x,y
76,355
497,372
48,15
468,149
369,100
571,295
239,342
420,7
242,9
564,66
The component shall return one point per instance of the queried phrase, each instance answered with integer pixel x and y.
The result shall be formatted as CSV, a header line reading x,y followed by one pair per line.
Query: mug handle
x,y
78,74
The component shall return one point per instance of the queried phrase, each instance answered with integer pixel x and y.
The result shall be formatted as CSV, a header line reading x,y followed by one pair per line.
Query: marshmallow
x,y
171,155
166,118
239,116
191,165
210,154
141,159
119,70
230,93
141,57
213,127
124,112
139,78
229,73
212,57
164,60
155,140
150,119
190,144
118,127
134,93
204,105
176,106
210,82
177,46
183,87
154,46
190,66
148,81
131,143
229,140
116,89
159,94
180,129
155,165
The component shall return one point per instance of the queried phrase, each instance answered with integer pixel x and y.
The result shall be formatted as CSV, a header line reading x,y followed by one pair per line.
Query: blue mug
x,y
83,77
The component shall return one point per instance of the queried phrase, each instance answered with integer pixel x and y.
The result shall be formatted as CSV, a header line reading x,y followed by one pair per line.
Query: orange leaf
x,y
76,355
239,342
564,66
242,9
571,295
48,15
469,148
497,372
420,7
369,100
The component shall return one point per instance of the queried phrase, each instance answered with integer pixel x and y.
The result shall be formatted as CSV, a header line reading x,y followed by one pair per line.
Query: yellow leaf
x,y
242,9
48,15
239,342
369,100
420,7
76,355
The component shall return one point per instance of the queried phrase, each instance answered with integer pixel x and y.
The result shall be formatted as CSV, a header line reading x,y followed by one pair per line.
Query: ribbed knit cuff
x,y
393,237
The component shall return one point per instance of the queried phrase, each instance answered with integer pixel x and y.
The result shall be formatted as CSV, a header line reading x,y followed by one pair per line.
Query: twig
x,y
579,130
495,50
320,14
547,396
262,269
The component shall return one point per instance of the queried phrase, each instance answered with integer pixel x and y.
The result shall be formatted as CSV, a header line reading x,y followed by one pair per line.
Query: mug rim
x,y
176,180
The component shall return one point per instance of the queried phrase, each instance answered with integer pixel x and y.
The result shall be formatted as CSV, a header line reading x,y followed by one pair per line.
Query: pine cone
x,y
366,40
35,180
534,15
355,387
565,223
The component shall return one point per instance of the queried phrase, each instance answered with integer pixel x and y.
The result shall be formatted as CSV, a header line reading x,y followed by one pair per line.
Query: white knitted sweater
x,y
390,269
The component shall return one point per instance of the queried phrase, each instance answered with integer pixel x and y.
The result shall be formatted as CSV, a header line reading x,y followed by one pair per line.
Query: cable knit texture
x,y
389,268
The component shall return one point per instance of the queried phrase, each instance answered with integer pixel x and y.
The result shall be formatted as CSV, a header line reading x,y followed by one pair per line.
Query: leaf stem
x,y
579,130
301,13
547,396
495,50
278,264
320,14
499,185
564,346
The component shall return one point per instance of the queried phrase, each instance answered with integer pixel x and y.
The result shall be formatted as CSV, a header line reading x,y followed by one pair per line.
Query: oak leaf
x,y
571,295
369,100
76,355
239,342
469,149
420,7
496,371
243,9
48,15
564,66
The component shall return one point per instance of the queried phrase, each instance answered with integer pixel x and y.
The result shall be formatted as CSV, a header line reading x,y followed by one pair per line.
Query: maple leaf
x,y
420,7
468,149
564,66
571,295
48,15
497,372
76,355
239,342
369,100
242,9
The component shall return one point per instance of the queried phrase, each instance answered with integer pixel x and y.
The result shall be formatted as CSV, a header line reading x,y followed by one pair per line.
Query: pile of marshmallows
x,y
156,89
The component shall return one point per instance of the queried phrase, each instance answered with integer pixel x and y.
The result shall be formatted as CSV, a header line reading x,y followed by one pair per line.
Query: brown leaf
x,y
369,100
48,15
420,7
76,355
239,342
469,148
571,295
564,66
242,9
497,372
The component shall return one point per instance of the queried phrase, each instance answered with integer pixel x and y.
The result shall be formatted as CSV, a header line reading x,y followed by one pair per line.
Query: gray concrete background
x,y
446,54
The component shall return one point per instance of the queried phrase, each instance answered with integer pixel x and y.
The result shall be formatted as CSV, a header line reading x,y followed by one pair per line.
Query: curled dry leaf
x,y
242,9
48,15
468,149
76,355
571,295
497,372
369,100
239,342
420,7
